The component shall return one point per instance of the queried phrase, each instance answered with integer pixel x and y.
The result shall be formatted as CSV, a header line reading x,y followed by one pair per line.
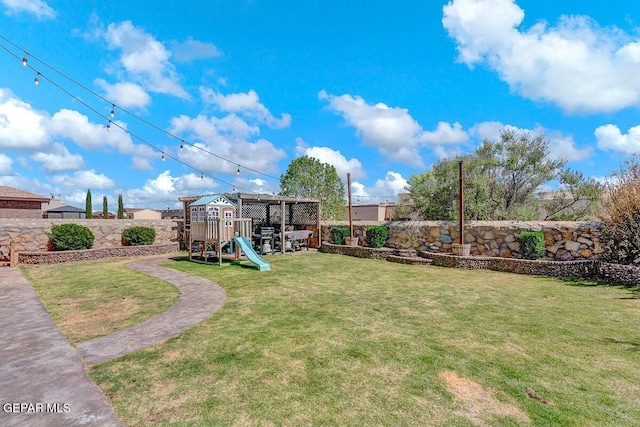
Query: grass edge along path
x,y
91,299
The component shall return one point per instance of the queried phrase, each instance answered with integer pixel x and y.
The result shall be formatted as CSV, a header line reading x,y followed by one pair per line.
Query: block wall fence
x,y
564,240
31,235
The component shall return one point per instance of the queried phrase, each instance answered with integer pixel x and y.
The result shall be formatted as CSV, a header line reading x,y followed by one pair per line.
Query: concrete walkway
x,y
199,298
39,366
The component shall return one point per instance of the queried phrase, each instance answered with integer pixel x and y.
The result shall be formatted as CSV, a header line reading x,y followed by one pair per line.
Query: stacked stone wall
x,y
592,270
93,254
33,234
564,241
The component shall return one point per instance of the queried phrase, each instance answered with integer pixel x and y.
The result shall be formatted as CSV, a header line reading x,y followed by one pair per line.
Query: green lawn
x,y
92,299
333,340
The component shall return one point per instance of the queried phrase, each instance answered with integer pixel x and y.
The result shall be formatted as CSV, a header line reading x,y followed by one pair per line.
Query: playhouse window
x,y
214,212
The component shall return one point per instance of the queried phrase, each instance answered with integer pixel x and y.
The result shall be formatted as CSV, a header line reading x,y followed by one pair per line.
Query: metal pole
x,y
461,201
350,210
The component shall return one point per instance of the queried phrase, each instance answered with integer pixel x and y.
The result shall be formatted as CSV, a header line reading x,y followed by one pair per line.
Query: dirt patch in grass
x,y
478,403
99,321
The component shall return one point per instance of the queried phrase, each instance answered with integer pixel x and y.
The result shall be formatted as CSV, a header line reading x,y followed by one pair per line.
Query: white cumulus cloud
x,y
332,157
84,179
21,127
386,189
125,94
247,104
59,159
610,137
6,163
145,59
227,138
391,130
164,190
38,8
575,64
76,127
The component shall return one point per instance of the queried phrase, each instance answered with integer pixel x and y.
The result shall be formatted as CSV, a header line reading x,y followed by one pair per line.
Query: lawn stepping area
x,y
199,298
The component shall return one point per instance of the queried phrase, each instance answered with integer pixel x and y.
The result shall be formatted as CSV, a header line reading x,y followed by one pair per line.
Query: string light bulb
x,y
238,171
181,145
24,61
163,158
109,126
201,175
36,81
113,111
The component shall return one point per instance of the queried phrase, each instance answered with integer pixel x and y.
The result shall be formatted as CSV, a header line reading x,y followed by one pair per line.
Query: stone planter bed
x,y
54,257
602,272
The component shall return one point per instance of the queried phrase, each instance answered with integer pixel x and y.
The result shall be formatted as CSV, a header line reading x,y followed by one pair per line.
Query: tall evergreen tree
x,y
120,207
105,208
88,206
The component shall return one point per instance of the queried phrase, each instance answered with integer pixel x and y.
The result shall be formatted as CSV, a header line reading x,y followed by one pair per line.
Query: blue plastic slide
x,y
245,245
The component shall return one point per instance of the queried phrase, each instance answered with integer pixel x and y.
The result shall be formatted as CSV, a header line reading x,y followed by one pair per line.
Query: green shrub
x,y
69,237
531,244
377,235
137,236
338,235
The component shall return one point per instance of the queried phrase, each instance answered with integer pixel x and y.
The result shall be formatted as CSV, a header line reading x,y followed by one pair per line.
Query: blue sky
x,y
381,89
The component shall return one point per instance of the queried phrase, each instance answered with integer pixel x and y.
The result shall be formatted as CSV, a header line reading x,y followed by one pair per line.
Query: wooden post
x,y
219,241
319,225
461,202
13,255
283,223
350,209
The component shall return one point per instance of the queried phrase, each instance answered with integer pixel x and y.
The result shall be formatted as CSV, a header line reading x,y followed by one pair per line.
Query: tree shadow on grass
x,y
633,345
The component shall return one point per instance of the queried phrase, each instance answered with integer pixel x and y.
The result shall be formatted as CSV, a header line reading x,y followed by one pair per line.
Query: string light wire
x,y
114,106
112,123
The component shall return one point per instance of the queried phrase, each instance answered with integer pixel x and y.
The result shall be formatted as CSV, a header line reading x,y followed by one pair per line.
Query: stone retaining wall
x,y
594,269
587,269
617,274
55,257
564,240
33,234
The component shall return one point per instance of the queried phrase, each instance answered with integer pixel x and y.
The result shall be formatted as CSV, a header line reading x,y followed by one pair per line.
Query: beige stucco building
x,y
132,213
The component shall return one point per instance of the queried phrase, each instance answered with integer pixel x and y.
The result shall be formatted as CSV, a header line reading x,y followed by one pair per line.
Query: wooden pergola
x,y
271,210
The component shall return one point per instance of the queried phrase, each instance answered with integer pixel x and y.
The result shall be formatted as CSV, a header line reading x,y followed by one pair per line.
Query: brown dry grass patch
x,y
479,403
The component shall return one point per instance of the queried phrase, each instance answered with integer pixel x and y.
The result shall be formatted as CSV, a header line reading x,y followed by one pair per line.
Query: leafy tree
x,y
88,205
105,208
120,207
577,197
308,177
501,182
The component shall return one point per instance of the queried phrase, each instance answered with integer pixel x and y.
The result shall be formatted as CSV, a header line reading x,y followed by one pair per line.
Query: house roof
x,y
10,193
66,208
215,199
172,212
